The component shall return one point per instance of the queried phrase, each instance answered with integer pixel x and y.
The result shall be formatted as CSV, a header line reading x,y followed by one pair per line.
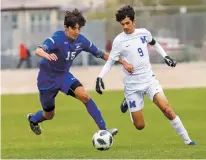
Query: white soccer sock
x,y
180,129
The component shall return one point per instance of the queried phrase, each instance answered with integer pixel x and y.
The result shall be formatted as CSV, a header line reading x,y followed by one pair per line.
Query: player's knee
x,y
139,126
169,113
84,97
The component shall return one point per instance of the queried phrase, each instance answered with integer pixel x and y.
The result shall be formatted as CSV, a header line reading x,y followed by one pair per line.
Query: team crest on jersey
x,y
143,39
78,46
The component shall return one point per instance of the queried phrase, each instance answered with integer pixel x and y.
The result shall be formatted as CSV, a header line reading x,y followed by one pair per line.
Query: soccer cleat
x,y
34,127
124,106
192,143
113,131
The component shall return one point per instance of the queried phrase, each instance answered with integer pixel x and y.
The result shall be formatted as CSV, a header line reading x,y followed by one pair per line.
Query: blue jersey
x,y
56,73
66,50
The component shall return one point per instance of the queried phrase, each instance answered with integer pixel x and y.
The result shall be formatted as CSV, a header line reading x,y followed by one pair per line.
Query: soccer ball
x,y
102,140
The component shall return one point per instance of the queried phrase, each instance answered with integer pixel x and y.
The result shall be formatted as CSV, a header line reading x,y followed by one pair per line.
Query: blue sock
x,y
38,117
96,114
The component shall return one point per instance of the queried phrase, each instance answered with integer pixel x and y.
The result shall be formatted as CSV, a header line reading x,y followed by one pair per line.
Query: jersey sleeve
x,y
91,48
116,50
51,43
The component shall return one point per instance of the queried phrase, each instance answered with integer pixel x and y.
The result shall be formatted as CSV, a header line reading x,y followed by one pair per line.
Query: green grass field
x,y
69,134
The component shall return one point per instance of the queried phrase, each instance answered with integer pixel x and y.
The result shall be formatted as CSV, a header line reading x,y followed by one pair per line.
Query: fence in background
x,y
183,36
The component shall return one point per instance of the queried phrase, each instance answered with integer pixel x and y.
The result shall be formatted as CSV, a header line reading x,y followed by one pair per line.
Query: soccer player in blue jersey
x,y
58,53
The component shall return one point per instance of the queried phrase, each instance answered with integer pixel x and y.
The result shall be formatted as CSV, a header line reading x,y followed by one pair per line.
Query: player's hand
x,y
128,67
51,57
169,61
99,85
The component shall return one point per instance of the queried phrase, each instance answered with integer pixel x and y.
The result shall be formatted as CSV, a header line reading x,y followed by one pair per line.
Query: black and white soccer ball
x,y
102,140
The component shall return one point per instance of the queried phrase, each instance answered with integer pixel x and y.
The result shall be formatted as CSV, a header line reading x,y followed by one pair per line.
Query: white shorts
x,y
134,93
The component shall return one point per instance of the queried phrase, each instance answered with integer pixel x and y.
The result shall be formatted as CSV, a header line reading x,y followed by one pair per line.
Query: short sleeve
x,y
50,43
116,50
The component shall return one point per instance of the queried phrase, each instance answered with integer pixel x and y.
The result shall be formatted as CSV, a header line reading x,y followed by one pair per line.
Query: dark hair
x,y
73,18
126,11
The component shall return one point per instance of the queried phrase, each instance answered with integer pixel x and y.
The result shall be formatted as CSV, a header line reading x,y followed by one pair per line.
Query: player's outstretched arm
x,y
99,81
98,53
127,66
41,53
169,61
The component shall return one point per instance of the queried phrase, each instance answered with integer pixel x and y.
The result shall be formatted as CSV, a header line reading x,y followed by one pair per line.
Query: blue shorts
x,y
50,86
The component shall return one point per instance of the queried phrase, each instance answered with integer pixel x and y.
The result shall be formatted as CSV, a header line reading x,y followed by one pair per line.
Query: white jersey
x,y
133,49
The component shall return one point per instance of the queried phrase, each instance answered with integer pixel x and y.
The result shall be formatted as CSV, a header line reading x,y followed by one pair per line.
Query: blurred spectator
x,y
24,55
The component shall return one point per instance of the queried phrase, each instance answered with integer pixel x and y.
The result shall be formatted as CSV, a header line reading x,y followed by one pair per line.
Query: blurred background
x,y
179,26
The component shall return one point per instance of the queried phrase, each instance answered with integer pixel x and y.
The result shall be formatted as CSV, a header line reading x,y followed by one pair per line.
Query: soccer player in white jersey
x,y
131,45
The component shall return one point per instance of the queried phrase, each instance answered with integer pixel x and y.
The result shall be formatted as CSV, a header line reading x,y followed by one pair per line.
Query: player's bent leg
x,y
47,98
81,94
91,107
35,119
135,101
77,90
138,120
161,101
